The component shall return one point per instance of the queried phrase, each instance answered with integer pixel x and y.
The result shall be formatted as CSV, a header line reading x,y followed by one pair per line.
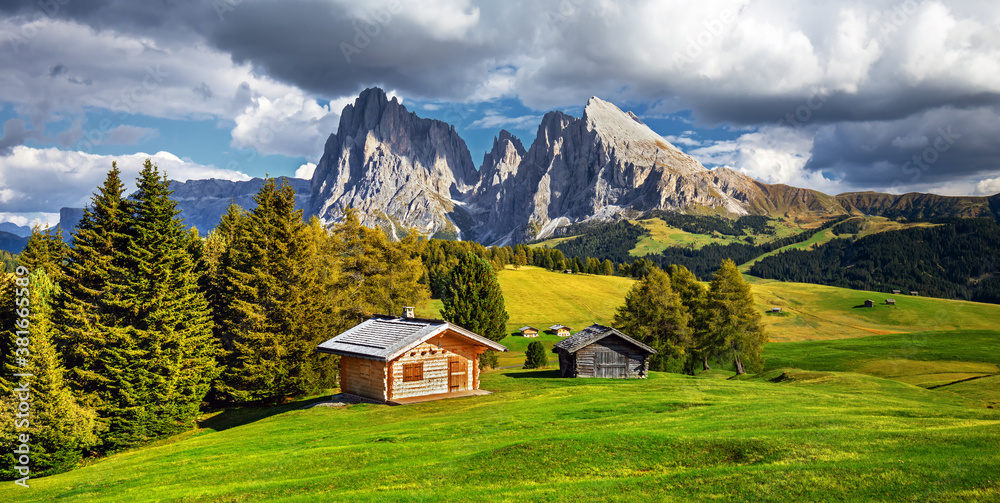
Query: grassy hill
x,y
815,436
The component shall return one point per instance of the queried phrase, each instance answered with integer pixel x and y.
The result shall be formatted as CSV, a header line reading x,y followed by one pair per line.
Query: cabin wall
x,y
567,364
611,357
362,377
435,355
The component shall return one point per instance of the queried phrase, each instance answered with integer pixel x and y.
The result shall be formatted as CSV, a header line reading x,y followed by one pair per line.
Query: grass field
x,y
816,436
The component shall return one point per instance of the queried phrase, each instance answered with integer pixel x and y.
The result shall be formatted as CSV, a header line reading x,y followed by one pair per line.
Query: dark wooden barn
x,y
599,351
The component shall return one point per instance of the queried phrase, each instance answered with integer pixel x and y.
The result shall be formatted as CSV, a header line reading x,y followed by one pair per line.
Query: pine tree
x,y
535,357
473,300
60,429
735,326
653,314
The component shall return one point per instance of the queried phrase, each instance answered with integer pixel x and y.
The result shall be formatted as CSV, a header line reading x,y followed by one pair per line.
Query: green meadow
x,y
855,404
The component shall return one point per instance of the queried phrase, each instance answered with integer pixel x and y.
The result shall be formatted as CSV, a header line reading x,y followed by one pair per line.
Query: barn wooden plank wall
x,y
362,377
610,357
436,354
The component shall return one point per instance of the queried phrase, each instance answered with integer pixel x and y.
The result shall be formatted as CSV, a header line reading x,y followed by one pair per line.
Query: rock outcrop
x,y
398,170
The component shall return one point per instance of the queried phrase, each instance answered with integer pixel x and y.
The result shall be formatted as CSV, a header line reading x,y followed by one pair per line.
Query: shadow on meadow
x,y
536,374
232,417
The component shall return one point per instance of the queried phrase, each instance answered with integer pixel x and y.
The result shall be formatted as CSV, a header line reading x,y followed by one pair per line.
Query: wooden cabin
x,y
396,360
869,303
599,351
895,292
914,292
529,331
890,302
560,330
775,309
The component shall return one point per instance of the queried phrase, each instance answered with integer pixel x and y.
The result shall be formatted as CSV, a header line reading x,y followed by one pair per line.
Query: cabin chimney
x,y
408,312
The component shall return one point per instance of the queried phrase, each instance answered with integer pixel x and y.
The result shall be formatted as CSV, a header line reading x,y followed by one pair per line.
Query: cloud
x,y
291,125
495,120
988,186
305,171
129,135
40,180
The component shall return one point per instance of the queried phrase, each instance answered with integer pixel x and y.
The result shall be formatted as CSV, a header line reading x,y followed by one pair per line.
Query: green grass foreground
x,y
811,437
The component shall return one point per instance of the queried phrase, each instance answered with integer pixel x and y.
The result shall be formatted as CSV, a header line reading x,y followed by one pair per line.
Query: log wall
x,y
611,357
362,377
435,355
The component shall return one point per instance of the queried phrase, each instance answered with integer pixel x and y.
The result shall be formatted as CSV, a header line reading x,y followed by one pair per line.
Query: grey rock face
x,y
596,167
397,169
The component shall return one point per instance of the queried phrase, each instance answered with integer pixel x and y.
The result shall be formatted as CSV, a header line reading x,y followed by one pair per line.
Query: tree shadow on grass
x,y
535,374
239,416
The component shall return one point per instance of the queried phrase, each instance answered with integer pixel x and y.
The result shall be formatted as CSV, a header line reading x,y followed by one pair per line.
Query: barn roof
x,y
557,327
591,335
522,329
384,338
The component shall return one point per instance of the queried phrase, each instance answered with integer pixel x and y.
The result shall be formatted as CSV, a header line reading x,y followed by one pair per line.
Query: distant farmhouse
x,y
869,303
599,351
404,359
914,292
890,302
529,331
775,309
895,292
560,330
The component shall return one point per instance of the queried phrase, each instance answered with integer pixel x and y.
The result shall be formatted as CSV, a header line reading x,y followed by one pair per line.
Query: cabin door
x,y
456,374
611,364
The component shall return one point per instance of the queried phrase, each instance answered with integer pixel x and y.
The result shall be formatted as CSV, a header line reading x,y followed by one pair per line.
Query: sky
x,y
837,96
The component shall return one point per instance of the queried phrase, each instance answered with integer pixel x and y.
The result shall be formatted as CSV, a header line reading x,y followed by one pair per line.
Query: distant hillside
x,y
12,242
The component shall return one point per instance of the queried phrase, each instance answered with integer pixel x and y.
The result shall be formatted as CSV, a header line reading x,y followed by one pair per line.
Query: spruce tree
x,y
473,300
735,326
45,249
60,429
535,356
653,314
162,360
82,314
274,301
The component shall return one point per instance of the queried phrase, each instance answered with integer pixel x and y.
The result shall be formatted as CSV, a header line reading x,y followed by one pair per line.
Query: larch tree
x,y
735,326
694,296
473,300
60,428
653,314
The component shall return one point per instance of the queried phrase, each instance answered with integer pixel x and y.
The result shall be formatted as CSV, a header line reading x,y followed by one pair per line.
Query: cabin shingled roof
x,y
385,337
591,335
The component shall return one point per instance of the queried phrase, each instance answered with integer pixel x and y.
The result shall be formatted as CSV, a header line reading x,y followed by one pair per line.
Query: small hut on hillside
x,y
869,303
396,360
914,292
890,302
775,309
560,330
529,331
599,351
895,292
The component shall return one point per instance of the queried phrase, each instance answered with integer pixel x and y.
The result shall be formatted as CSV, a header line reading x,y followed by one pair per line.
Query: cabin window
x,y
413,372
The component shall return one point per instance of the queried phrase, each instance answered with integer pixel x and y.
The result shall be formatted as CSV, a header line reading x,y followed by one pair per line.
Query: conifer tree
x,y
694,296
82,314
535,357
60,429
162,359
653,314
473,300
607,268
45,249
735,326
274,302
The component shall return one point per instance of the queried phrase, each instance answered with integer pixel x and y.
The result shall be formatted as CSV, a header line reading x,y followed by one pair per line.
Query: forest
x,y
956,259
